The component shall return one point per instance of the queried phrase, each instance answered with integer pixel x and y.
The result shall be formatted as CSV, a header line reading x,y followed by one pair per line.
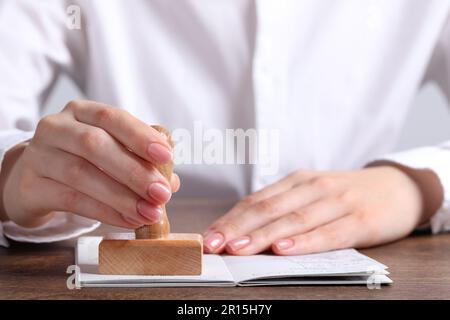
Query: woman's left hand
x,y
313,211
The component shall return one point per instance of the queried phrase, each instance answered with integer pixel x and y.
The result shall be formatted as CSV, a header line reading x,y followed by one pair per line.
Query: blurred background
x,y
428,122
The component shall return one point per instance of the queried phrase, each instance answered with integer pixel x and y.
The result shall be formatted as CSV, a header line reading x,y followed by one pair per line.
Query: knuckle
x,y
266,206
348,197
92,140
298,217
324,183
247,201
72,105
230,228
46,125
105,115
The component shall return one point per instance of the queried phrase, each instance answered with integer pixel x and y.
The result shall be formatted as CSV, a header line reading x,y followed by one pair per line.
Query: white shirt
x,y
336,78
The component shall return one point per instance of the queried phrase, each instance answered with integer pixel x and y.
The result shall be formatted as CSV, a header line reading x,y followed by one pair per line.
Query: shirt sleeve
x,y
61,227
437,159
36,47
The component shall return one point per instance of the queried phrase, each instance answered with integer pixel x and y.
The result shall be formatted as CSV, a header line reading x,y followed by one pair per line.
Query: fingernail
x,y
284,244
213,241
160,153
239,243
132,221
148,211
159,192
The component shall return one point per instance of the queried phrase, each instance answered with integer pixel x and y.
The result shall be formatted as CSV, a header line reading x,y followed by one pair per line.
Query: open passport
x,y
339,267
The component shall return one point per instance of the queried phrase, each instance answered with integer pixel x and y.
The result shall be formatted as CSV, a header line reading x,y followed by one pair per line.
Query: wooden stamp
x,y
152,250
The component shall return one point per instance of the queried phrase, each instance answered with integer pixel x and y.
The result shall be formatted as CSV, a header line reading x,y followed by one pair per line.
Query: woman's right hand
x,y
92,160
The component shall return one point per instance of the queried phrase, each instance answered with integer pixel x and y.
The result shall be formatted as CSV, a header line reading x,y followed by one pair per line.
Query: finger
x,y
278,187
262,213
84,177
134,134
99,148
295,223
49,196
175,182
340,234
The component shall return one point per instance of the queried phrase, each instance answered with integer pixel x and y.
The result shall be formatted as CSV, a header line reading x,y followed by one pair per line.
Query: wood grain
x,y
419,266
177,254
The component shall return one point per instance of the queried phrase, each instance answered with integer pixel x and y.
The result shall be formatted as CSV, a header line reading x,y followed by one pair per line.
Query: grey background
x,y
428,122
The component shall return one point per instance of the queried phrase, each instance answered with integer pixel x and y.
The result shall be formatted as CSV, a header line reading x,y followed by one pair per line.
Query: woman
x,y
332,81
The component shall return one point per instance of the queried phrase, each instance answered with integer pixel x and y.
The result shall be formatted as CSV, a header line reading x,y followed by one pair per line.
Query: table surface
x,y
419,266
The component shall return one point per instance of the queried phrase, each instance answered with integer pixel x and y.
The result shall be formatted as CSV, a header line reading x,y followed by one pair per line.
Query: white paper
x,y
340,262
336,267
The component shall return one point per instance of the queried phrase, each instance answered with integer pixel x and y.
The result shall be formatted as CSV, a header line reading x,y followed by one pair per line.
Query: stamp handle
x,y
160,229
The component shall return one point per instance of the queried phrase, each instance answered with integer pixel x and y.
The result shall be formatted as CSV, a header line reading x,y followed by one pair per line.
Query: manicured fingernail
x,y
239,243
284,244
160,153
148,211
213,241
159,192
132,221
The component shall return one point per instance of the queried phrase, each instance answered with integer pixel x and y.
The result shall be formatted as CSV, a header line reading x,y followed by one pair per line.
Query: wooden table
x,y
419,266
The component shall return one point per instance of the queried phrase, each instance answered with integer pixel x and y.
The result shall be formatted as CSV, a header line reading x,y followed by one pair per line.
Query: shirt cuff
x,y
62,226
436,159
